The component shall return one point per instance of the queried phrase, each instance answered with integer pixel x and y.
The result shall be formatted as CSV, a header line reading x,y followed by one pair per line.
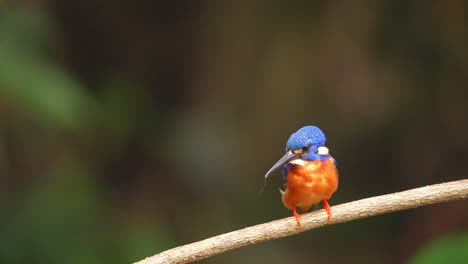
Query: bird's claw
x,y
297,216
326,206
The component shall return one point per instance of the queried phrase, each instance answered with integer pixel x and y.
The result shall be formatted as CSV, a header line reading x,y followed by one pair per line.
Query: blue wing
x,y
285,171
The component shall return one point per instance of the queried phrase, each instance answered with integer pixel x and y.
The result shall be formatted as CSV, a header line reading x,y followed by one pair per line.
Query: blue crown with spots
x,y
308,135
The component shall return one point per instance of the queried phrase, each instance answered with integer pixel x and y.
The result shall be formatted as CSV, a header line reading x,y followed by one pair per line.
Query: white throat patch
x,y
299,162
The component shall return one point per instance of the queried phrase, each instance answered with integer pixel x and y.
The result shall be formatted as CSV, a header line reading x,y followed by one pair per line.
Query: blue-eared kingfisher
x,y
309,172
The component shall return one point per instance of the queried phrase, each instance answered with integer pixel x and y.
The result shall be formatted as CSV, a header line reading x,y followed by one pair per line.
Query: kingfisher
x,y
309,172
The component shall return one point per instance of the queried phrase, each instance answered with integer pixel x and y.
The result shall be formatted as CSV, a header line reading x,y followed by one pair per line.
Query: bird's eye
x,y
302,151
297,151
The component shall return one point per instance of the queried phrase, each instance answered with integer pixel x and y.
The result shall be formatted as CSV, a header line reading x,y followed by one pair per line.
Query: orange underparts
x,y
309,184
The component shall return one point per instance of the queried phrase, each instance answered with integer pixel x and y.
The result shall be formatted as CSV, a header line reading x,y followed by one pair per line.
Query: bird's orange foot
x,y
326,206
298,217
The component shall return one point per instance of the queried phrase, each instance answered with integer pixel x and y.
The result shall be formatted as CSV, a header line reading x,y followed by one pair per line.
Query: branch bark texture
x,y
368,207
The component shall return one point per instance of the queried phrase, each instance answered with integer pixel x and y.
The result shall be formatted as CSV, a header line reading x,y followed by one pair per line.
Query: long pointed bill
x,y
285,159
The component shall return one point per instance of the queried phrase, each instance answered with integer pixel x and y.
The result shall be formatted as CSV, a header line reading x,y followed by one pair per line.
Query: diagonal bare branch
x,y
368,207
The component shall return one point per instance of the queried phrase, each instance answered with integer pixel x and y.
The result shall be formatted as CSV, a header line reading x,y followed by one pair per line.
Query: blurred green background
x,y
130,127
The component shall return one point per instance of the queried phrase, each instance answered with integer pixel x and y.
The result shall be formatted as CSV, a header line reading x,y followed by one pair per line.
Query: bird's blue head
x,y
307,137
308,143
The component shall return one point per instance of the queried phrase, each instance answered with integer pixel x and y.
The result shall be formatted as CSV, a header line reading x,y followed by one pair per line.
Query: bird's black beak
x,y
285,159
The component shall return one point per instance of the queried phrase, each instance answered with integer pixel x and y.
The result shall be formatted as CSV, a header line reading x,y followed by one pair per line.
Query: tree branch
x,y
383,204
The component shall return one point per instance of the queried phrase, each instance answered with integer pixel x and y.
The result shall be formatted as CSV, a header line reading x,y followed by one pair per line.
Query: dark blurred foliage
x,y
129,127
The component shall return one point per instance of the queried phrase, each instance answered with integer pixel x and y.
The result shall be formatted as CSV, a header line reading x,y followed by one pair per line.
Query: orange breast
x,y
309,184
